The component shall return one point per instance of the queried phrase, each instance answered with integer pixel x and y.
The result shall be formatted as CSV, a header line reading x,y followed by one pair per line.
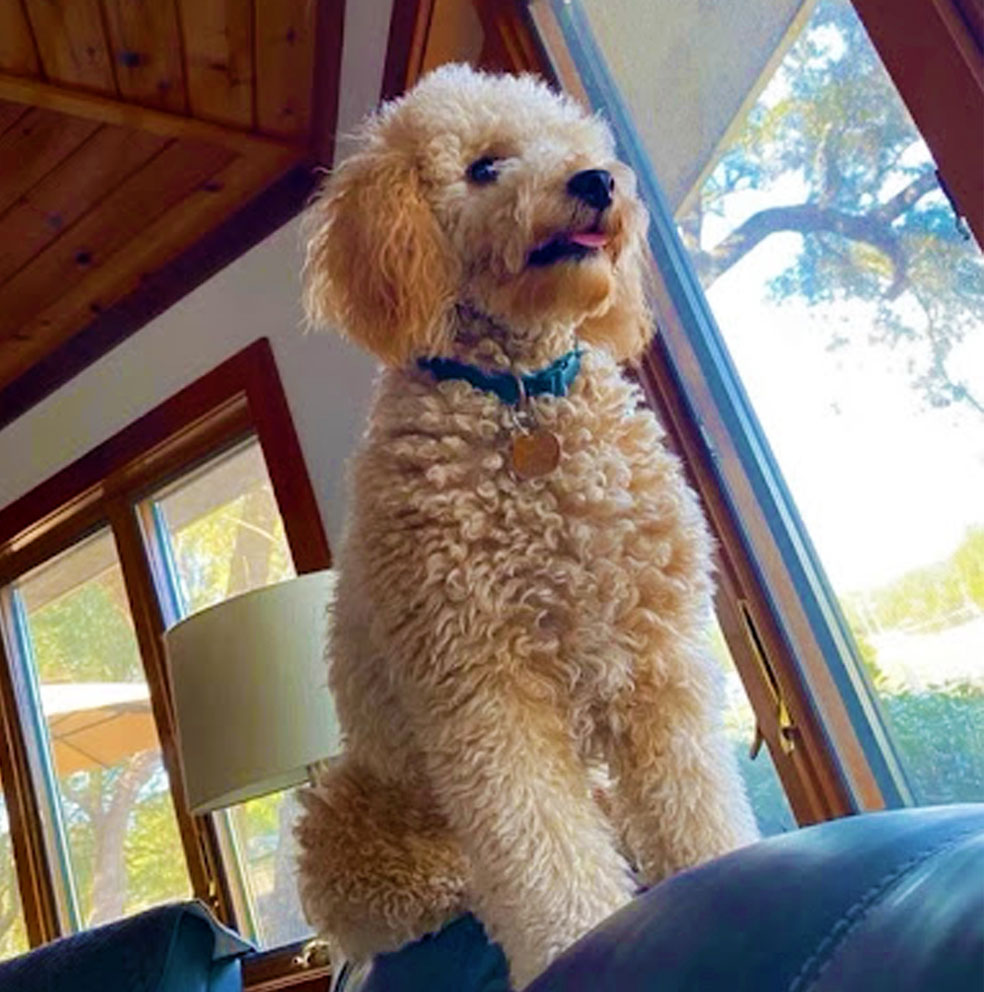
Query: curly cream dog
x,y
505,623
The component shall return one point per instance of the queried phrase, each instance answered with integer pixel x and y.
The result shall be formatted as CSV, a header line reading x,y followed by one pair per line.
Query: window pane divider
x,y
167,584
239,890
197,836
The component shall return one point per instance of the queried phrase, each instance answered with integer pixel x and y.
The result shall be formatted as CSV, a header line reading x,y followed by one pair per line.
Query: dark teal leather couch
x,y
886,902
177,948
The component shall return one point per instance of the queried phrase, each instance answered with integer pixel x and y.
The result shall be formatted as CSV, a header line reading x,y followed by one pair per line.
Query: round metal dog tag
x,y
535,454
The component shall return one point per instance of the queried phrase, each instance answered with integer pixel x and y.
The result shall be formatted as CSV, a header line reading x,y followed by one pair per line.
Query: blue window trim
x,y
168,586
25,674
826,619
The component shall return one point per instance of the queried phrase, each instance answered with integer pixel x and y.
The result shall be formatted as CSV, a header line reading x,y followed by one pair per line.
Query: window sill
x,y
283,968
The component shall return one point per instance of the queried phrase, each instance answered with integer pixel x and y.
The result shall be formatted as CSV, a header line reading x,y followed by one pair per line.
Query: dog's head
x,y
488,191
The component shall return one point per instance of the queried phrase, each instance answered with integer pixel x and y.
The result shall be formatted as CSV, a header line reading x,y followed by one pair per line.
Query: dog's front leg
x,y
544,863
678,796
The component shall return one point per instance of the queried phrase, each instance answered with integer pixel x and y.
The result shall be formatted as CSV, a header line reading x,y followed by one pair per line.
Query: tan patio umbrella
x,y
97,724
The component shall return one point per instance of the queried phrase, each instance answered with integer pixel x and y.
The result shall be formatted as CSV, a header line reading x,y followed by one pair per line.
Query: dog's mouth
x,y
567,244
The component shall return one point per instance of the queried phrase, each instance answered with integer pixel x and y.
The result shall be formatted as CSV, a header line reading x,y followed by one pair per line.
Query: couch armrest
x,y
175,948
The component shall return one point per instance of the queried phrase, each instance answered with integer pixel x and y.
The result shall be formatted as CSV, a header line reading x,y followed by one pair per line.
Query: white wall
x,y
327,381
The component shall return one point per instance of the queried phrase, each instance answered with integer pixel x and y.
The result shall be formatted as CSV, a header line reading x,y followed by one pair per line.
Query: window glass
x,y
851,301
262,831
221,534
223,531
112,826
13,934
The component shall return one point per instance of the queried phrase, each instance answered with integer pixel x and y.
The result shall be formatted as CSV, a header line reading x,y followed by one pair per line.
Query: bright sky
x,y
884,483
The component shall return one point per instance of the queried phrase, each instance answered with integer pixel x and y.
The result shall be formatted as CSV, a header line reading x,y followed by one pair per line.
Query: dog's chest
x,y
451,460
561,557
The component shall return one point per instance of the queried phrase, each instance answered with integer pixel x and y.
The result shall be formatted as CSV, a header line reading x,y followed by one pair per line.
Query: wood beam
x,y
410,23
91,106
326,81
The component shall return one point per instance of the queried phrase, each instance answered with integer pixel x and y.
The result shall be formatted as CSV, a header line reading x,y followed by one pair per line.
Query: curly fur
x,y
497,641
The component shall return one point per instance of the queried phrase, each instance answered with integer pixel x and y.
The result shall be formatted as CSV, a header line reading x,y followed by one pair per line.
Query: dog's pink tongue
x,y
588,239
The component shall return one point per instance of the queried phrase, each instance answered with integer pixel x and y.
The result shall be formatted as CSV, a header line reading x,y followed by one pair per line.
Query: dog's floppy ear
x,y
377,265
627,325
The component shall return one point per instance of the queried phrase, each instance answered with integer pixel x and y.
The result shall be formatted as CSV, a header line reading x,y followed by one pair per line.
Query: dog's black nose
x,y
593,187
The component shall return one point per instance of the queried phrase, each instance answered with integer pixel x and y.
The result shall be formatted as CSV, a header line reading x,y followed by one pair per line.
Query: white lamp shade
x,y
251,692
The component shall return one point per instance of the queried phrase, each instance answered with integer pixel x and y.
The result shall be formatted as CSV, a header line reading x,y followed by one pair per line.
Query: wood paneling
x,y
92,106
158,287
218,47
10,114
146,47
17,51
34,146
113,114
285,40
72,44
68,191
934,59
134,260
86,247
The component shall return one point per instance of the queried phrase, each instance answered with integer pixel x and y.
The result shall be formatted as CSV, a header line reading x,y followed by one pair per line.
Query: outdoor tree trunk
x,y
109,823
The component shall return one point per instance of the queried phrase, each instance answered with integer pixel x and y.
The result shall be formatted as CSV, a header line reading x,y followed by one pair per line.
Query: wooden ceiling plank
x,y
10,113
217,36
159,242
82,180
160,286
285,42
118,221
33,147
145,43
17,52
72,43
107,111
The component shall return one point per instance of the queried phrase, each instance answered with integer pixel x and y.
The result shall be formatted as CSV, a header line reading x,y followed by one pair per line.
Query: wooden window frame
x,y
241,398
801,671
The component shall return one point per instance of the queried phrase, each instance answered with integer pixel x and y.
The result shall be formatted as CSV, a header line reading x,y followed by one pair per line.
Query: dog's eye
x,y
483,170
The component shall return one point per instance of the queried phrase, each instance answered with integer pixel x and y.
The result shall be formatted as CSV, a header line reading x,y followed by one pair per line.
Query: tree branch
x,y
873,228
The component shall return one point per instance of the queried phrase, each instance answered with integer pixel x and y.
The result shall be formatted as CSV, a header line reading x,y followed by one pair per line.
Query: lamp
x,y
250,690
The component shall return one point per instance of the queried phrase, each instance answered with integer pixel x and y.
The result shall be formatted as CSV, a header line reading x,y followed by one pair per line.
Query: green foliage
x,y
13,935
940,735
87,636
155,865
131,799
205,550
